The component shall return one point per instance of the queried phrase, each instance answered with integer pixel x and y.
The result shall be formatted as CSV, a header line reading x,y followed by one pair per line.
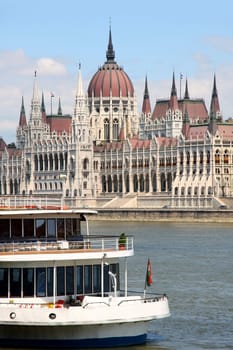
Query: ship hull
x,y
95,336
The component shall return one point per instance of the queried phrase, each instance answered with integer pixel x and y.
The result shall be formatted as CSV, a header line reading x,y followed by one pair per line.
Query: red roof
x,y
196,109
60,123
110,78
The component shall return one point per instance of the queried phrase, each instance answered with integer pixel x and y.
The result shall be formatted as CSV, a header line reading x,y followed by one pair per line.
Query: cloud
x,y
17,74
48,66
221,43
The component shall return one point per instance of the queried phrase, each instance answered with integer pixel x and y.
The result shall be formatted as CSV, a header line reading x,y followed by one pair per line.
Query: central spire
x,y
110,53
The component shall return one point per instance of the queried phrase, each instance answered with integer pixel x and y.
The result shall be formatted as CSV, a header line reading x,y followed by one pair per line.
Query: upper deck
x,y
60,234
83,247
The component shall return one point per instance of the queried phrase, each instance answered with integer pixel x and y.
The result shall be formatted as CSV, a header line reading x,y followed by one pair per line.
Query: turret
x,y
186,93
214,109
35,103
146,108
21,130
214,105
173,104
43,111
110,53
59,111
22,117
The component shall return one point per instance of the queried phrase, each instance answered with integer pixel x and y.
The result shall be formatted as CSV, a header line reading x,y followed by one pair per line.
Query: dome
x,y
110,78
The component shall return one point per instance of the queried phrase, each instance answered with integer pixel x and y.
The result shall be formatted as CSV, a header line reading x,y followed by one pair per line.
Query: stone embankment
x,y
165,215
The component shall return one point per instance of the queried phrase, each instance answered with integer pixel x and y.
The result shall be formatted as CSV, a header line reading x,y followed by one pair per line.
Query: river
x,y
193,265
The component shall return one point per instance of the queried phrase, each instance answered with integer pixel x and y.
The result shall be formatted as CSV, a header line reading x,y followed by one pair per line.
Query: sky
x,y
150,38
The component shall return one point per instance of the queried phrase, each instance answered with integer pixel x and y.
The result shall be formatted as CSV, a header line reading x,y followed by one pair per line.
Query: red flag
x,y
149,273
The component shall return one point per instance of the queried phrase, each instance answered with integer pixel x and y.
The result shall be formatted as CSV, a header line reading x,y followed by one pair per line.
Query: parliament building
x,y
175,154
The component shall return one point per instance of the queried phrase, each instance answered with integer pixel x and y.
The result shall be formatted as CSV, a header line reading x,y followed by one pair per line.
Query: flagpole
x,y
52,95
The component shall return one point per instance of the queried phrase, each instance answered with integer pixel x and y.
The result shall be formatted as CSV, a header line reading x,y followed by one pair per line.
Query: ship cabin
x,y
49,255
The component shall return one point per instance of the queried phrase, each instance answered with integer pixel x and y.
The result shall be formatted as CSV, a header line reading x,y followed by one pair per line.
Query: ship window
x,y
40,282
3,282
88,278
16,228
60,280
106,278
40,227
51,227
69,280
15,282
28,282
4,228
50,281
60,228
28,228
79,279
68,227
96,278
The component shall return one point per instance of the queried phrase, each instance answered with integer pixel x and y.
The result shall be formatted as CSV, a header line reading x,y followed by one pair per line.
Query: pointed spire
x,y
173,98
173,91
42,108
35,102
22,118
59,112
186,93
214,105
146,108
35,96
110,53
42,104
79,83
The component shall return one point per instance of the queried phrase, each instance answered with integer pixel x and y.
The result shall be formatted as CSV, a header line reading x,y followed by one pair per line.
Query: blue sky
x,y
152,38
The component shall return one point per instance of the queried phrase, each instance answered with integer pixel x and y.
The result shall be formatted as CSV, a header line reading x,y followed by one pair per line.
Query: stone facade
x,y
107,154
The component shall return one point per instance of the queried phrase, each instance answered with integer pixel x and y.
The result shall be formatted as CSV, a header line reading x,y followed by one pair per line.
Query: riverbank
x,y
165,215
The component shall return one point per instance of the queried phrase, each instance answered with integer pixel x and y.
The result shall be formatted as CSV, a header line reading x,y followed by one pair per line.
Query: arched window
x,y
115,129
46,162
106,130
41,161
226,157
217,157
56,161
61,161
50,161
86,164
36,162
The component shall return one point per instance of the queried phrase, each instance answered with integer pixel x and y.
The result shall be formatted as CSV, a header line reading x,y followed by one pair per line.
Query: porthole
x,y
52,316
12,315
106,109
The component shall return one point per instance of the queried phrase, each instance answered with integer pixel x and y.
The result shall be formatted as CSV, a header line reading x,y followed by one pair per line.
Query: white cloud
x,y
48,66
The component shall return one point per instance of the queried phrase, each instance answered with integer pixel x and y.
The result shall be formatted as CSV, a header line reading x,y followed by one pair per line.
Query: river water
x,y
193,265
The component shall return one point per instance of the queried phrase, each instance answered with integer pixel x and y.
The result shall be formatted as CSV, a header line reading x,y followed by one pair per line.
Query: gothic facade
x,y
106,151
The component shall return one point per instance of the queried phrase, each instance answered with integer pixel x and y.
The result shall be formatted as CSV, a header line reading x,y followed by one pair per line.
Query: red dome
x,y
110,78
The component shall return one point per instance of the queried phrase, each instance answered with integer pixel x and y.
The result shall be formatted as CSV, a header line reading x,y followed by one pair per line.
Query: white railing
x,y
102,243
30,202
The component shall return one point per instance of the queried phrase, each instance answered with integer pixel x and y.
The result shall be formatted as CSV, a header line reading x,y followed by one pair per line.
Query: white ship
x,y
60,288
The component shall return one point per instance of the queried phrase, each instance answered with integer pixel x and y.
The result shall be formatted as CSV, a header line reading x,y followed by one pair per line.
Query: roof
x,y
196,109
110,79
59,123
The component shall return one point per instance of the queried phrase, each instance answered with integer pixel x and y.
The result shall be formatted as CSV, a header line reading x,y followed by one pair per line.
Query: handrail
x,y
102,243
144,299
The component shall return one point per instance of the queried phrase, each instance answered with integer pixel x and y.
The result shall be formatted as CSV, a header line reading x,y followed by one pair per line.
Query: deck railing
x,y
31,202
102,243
